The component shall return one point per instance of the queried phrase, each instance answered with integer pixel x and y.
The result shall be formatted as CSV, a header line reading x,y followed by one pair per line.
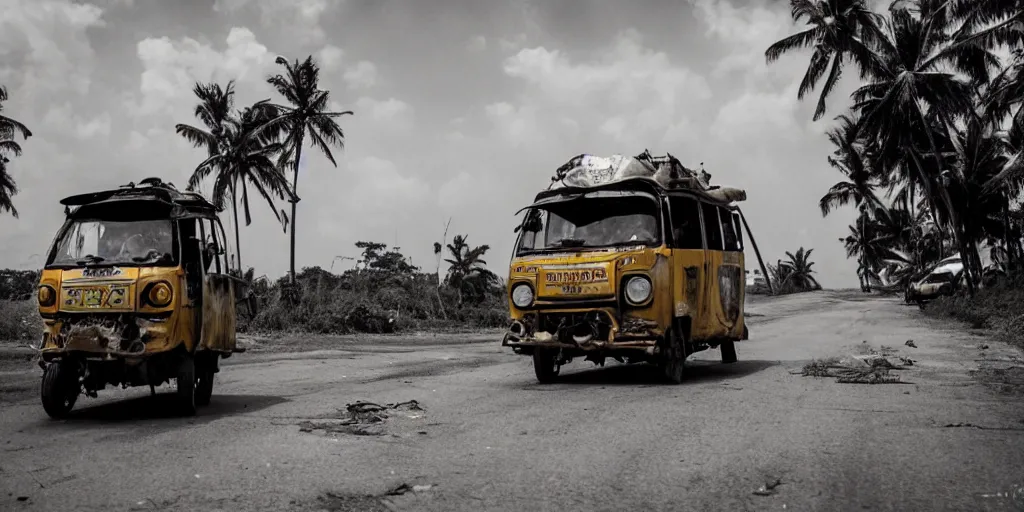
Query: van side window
x,y
712,226
686,232
729,236
738,225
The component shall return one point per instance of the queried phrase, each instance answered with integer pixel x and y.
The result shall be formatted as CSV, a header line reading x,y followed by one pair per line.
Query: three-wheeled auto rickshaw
x,y
626,264
136,291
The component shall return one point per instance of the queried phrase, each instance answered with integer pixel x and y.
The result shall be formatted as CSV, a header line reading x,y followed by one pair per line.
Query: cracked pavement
x,y
490,438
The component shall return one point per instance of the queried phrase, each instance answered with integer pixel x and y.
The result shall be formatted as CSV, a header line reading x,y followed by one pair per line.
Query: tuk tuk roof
x,y
150,190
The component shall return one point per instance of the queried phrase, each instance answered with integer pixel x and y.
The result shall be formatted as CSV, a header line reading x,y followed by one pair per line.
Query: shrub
x,y
999,307
19,321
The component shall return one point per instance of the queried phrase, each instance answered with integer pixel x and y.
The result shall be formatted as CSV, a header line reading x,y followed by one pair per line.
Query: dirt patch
x,y
335,502
297,342
362,418
1005,380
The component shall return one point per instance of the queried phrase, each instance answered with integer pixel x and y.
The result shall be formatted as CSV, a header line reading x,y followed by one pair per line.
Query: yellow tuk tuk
x,y
137,290
643,268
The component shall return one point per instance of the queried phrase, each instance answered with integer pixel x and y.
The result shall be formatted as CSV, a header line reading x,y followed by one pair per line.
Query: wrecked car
x,y
640,263
944,279
136,291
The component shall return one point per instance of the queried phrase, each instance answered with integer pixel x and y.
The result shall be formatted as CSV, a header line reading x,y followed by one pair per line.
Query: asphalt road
x,y
488,437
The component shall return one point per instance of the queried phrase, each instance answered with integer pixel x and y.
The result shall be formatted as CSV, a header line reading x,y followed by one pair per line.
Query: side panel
x,y
218,331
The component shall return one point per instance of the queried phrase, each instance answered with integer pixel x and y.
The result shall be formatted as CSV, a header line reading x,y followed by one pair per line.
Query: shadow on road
x,y
163,406
633,374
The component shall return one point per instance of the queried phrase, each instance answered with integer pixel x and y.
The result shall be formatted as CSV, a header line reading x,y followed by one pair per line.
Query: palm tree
x,y
9,130
468,270
306,115
839,30
245,161
850,158
798,271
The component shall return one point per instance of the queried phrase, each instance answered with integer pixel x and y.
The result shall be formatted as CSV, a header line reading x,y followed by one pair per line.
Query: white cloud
x,y
391,114
362,75
477,43
330,57
171,68
302,17
45,48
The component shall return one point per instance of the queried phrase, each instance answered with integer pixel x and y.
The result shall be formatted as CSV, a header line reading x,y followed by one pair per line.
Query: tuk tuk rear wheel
x,y
728,352
60,389
186,380
545,365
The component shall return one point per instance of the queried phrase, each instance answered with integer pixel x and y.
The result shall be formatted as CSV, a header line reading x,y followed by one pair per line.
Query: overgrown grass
x,y
371,302
999,307
19,320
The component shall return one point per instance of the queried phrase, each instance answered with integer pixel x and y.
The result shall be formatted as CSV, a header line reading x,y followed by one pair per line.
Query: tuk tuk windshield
x,y
591,222
107,242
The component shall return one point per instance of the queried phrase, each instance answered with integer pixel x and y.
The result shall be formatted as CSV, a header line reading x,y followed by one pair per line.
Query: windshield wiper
x,y
89,258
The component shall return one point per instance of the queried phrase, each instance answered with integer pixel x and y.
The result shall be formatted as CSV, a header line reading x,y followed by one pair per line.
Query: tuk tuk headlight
x,y
47,296
522,295
159,294
638,290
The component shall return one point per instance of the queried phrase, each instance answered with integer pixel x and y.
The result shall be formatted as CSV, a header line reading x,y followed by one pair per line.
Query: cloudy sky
x,y
463,109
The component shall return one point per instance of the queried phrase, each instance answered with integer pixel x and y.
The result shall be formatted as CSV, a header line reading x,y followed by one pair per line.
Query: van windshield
x,y
106,242
591,223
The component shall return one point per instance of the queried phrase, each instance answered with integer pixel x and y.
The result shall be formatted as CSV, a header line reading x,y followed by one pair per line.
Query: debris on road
x,y
768,488
361,418
868,369
406,488
911,344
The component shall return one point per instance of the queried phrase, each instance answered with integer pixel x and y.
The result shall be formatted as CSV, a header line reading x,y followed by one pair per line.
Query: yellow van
x,y
137,290
634,269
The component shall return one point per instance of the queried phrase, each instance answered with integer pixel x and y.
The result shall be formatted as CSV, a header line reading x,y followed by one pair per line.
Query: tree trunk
x,y
234,213
295,203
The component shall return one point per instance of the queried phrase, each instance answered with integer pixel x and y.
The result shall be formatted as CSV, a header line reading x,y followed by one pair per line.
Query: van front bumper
x,y
632,333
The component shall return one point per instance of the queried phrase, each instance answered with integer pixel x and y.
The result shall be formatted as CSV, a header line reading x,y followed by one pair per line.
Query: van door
x,y
218,326
688,261
731,284
711,316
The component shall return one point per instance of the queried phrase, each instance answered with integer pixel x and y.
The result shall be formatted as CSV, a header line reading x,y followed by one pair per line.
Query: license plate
x,y
572,290
576,276
97,297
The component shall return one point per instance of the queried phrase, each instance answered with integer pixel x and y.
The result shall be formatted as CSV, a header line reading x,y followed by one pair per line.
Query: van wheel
x,y
204,387
728,352
545,365
60,389
186,380
673,360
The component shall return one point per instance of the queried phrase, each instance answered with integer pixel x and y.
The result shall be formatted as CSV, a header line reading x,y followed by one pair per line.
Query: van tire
x,y
673,360
60,389
545,365
728,352
204,387
186,380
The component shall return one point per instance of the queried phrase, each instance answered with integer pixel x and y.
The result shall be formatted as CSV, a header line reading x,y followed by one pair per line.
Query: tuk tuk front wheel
x,y
545,365
186,380
60,389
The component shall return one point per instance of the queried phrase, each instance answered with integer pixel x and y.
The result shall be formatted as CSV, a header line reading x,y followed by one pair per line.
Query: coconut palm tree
x,y
243,161
850,158
798,270
306,115
468,270
840,30
9,130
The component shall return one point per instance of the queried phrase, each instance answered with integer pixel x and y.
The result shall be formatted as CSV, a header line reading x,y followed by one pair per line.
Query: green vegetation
x,y
9,130
931,149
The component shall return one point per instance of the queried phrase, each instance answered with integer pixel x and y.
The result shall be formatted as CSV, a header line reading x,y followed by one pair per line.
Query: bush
x,y
368,301
20,321
999,307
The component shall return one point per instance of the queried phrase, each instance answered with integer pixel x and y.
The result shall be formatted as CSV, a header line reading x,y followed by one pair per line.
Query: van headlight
x,y
522,295
47,296
638,290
